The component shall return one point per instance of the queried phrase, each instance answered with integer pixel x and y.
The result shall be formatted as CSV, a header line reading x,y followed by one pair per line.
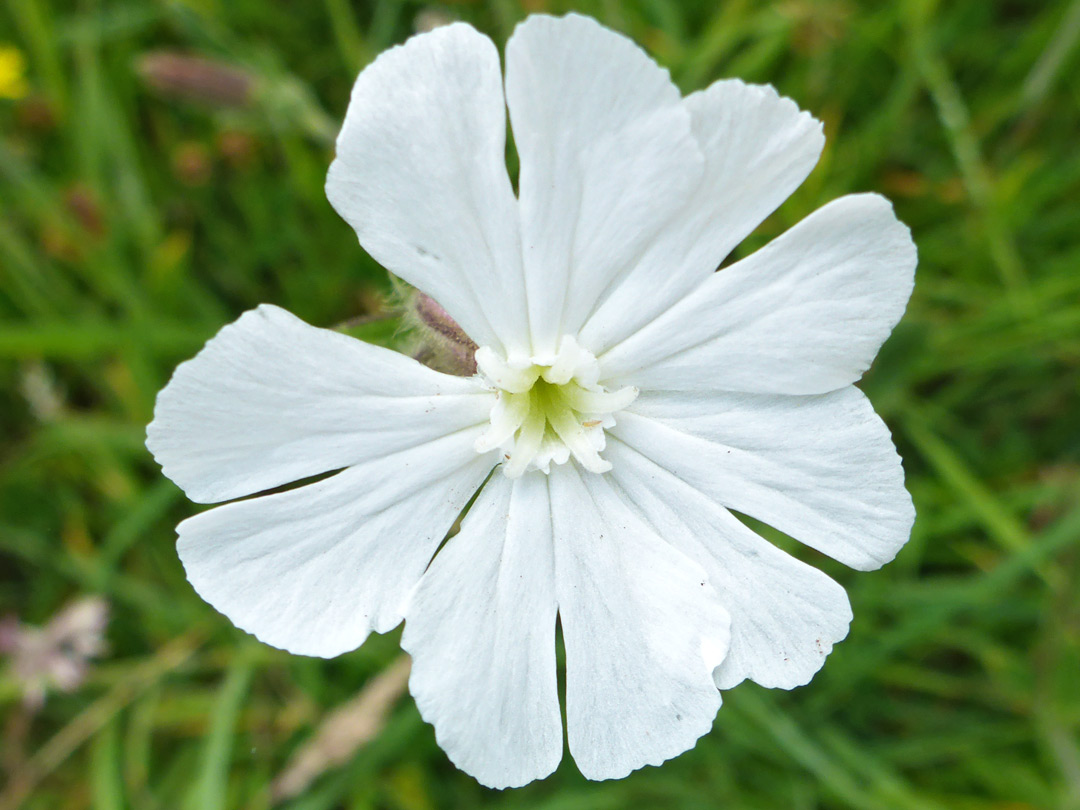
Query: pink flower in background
x,y
58,655
629,395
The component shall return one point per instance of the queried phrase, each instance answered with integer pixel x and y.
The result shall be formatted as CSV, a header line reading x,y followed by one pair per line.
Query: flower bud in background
x,y
443,345
82,203
279,99
192,78
192,164
237,148
56,656
431,18
37,115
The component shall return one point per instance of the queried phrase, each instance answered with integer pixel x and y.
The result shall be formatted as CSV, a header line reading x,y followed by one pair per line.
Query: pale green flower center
x,y
549,411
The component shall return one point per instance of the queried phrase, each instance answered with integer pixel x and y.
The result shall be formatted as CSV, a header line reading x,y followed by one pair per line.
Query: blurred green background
x,y
146,200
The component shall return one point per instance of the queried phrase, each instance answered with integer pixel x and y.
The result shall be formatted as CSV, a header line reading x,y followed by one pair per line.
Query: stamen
x,y
508,415
516,380
585,401
528,443
570,356
572,432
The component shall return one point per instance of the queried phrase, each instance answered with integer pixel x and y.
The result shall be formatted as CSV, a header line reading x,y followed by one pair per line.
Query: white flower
x,y
630,395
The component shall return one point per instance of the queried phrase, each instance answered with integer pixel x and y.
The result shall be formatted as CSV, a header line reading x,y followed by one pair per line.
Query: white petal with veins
x,y
271,400
806,314
607,158
314,570
481,630
822,469
421,176
758,148
785,615
643,628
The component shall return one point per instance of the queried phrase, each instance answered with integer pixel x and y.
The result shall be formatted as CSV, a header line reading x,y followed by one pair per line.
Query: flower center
x,y
548,409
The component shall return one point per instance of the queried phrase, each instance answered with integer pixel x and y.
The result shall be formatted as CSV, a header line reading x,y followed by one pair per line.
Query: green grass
x,y
132,226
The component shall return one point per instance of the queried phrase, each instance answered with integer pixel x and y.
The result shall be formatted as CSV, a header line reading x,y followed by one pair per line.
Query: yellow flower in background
x,y
12,72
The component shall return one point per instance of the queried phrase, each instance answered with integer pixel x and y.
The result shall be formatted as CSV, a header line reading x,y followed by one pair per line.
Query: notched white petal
x,y
806,314
643,628
420,174
822,469
271,400
758,148
785,615
607,158
481,631
315,569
